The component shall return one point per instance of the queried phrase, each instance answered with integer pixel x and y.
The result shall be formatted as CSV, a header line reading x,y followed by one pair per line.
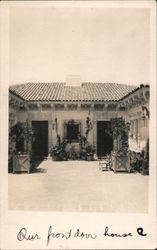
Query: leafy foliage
x,y
119,130
90,149
21,133
139,161
86,148
58,151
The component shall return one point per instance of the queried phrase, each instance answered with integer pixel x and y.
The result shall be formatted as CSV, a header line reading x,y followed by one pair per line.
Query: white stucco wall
x,y
139,127
77,115
81,115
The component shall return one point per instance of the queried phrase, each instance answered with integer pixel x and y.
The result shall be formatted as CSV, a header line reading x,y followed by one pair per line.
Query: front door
x,y
40,144
104,140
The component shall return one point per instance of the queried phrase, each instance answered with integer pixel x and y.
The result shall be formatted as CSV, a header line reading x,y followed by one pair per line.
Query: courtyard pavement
x,y
77,186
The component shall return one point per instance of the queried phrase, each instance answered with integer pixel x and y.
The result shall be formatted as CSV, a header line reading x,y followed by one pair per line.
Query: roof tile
x,y
61,92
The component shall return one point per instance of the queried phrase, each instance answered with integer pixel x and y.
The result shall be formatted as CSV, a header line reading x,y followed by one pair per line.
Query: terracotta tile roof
x,y
61,92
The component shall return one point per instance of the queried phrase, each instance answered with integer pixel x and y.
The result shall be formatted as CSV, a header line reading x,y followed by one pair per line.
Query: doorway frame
x,y
99,120
43,120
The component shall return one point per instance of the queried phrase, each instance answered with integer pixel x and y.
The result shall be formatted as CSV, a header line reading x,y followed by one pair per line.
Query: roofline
x,y
13,93
64,83
133,91
63,101
77,101
72,102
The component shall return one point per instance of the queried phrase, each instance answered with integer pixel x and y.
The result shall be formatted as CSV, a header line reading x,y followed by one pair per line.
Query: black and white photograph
x,y
80,116
78,135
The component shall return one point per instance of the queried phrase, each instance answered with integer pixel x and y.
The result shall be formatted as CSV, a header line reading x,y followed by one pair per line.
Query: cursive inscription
x,y
23,235
68,235
82,235
106,233
140,231
51,234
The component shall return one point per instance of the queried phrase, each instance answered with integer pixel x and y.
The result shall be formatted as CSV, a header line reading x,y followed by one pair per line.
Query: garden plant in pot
x,y
120,155
58,152
21,137
87,150
90,150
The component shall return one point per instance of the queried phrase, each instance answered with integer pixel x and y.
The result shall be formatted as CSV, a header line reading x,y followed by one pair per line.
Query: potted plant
x,y
72,155
87,150
83,153
90,150
20,136
120,157
54,152
58,152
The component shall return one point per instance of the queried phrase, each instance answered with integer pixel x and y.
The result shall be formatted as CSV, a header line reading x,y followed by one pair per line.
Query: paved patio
x,y
77,186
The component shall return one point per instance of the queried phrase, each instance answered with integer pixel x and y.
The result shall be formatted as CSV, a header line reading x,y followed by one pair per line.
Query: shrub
x,y
58,152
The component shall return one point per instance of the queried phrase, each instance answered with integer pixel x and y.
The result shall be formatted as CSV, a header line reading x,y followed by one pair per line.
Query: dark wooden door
x,y
40,144
104,140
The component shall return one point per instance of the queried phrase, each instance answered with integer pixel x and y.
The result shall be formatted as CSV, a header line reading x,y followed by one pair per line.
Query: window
x,y
72,130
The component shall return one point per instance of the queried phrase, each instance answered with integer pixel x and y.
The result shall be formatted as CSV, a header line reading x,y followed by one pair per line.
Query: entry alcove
x,y
72,131
40,144
104,138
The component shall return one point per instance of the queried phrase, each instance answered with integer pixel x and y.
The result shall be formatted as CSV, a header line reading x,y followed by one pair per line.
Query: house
x,y
55,108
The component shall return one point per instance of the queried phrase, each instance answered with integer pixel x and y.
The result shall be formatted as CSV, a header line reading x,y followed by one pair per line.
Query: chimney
x,y
73,80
